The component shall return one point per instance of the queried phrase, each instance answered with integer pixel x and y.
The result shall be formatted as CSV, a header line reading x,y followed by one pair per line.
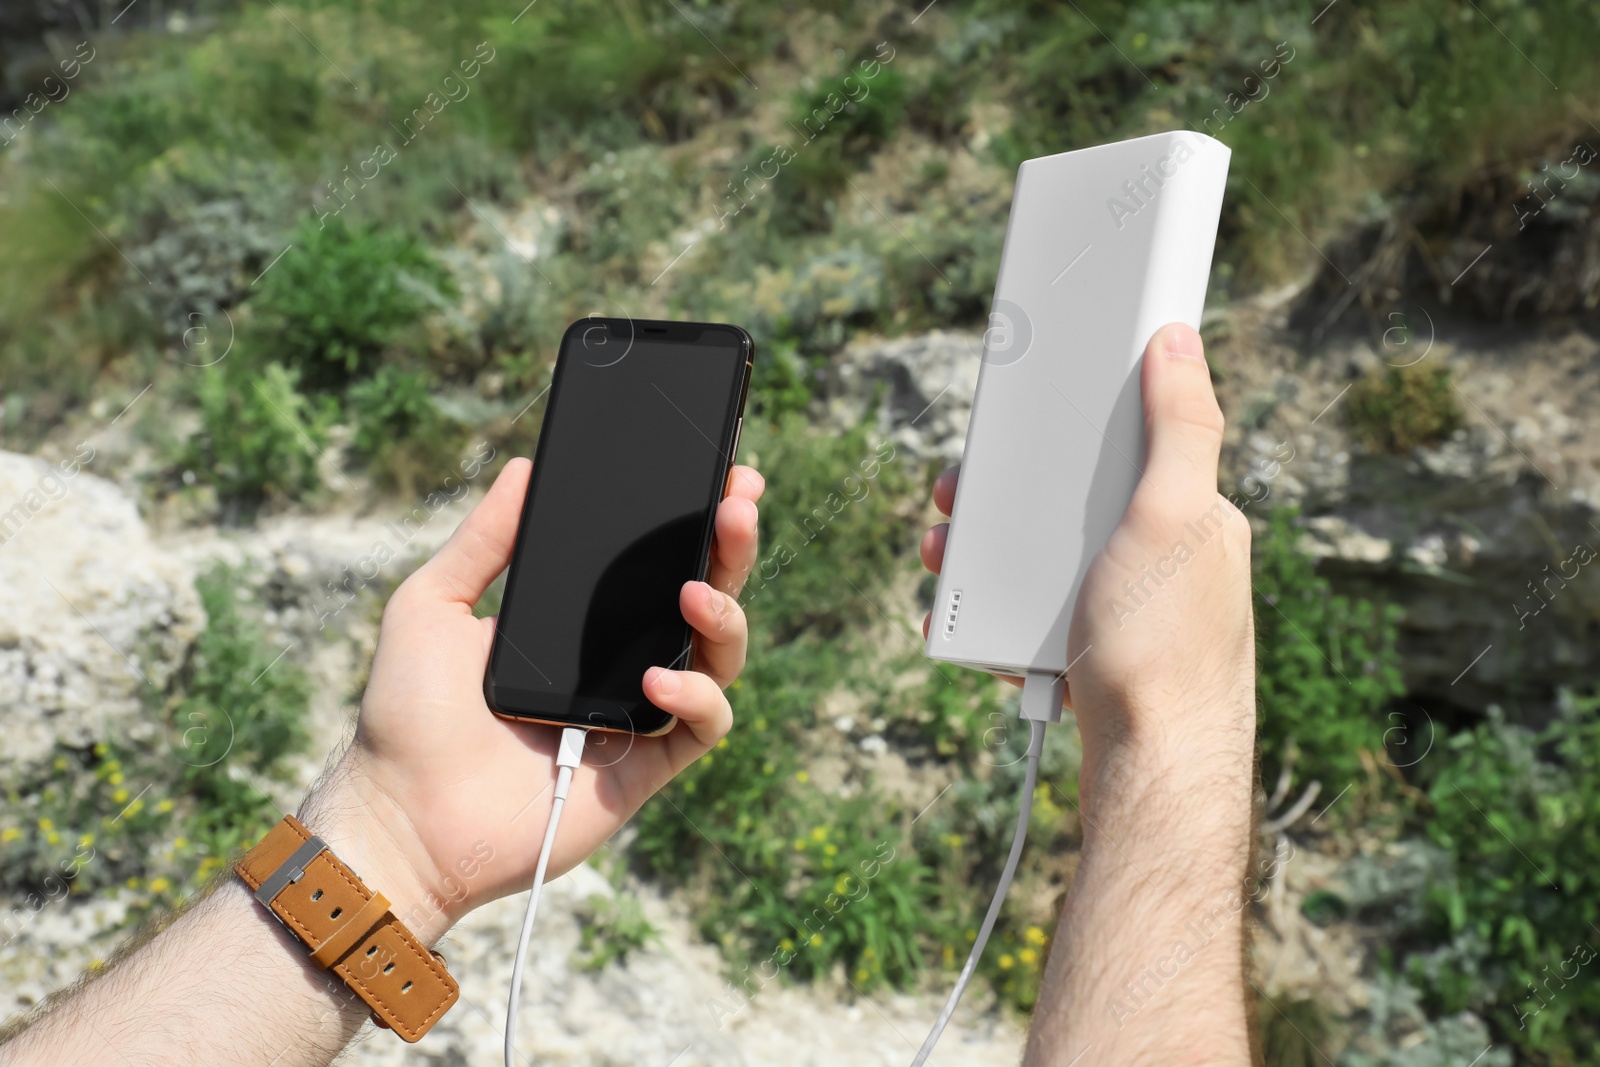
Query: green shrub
x,y
399,429
1402,408
834,137
340,296
829,526
1518,808
1326,665
239,708
260,439
629,201
780,384
860,113
940,263
830,297
613,926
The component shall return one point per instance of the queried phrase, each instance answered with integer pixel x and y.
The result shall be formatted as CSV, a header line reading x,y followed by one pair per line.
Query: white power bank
x,y
1104,246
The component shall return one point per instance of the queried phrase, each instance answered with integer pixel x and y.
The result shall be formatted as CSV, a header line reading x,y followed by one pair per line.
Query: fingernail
x,y
664,681
709,596
1181,342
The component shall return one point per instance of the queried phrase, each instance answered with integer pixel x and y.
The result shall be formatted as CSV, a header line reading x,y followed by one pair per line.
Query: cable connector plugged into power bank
x,y
1042,696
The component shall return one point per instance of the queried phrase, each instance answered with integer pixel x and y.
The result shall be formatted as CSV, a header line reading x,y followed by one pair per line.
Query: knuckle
x,y
1201,415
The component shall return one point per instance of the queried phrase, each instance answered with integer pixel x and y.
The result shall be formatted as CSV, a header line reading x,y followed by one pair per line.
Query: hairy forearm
x,y
226,982
1147,963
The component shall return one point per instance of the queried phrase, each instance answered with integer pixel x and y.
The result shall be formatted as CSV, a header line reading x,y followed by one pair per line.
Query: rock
x,y
1484,538
918,390
94,617
1330,536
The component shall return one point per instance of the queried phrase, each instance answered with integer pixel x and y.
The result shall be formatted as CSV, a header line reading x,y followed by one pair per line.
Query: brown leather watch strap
x,y
349,929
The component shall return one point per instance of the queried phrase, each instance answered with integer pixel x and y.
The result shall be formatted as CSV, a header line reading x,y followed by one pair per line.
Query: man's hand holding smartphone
x,y
443,804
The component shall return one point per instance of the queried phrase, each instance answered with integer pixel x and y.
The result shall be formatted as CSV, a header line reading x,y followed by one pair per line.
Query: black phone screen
x,y
632,460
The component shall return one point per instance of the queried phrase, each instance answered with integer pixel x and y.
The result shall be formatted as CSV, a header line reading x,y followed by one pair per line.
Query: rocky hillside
x,y
1454,534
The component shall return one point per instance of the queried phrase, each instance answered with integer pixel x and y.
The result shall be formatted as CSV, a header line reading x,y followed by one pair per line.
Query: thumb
x,y
1183,422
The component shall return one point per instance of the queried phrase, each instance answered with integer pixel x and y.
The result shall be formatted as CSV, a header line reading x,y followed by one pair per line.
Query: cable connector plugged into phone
x,y
568,755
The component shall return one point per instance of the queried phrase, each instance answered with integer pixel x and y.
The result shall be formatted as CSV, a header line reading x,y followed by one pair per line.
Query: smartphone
x,y
634,455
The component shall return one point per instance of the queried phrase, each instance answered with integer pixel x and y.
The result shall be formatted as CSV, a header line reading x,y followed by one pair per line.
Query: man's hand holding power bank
x,y
1146,965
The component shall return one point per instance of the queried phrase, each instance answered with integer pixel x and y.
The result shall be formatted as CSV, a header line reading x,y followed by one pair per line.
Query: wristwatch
x,y
348,929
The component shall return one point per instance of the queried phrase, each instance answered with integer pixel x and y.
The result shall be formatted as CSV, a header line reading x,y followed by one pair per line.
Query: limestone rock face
x,y
94,617
918,389
1489,540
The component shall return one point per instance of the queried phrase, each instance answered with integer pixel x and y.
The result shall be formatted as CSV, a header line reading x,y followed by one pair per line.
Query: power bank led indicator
x,y
950,616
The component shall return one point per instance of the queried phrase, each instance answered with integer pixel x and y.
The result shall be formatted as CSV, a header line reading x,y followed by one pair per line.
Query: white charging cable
x,y
1041,703
568,756
1042,695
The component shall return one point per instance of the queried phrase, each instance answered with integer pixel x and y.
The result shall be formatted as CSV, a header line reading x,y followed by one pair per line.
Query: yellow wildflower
x,y
10,833
159,885
802,777
819,833
1028,955
1034,936
1006,962
120,795
164,806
